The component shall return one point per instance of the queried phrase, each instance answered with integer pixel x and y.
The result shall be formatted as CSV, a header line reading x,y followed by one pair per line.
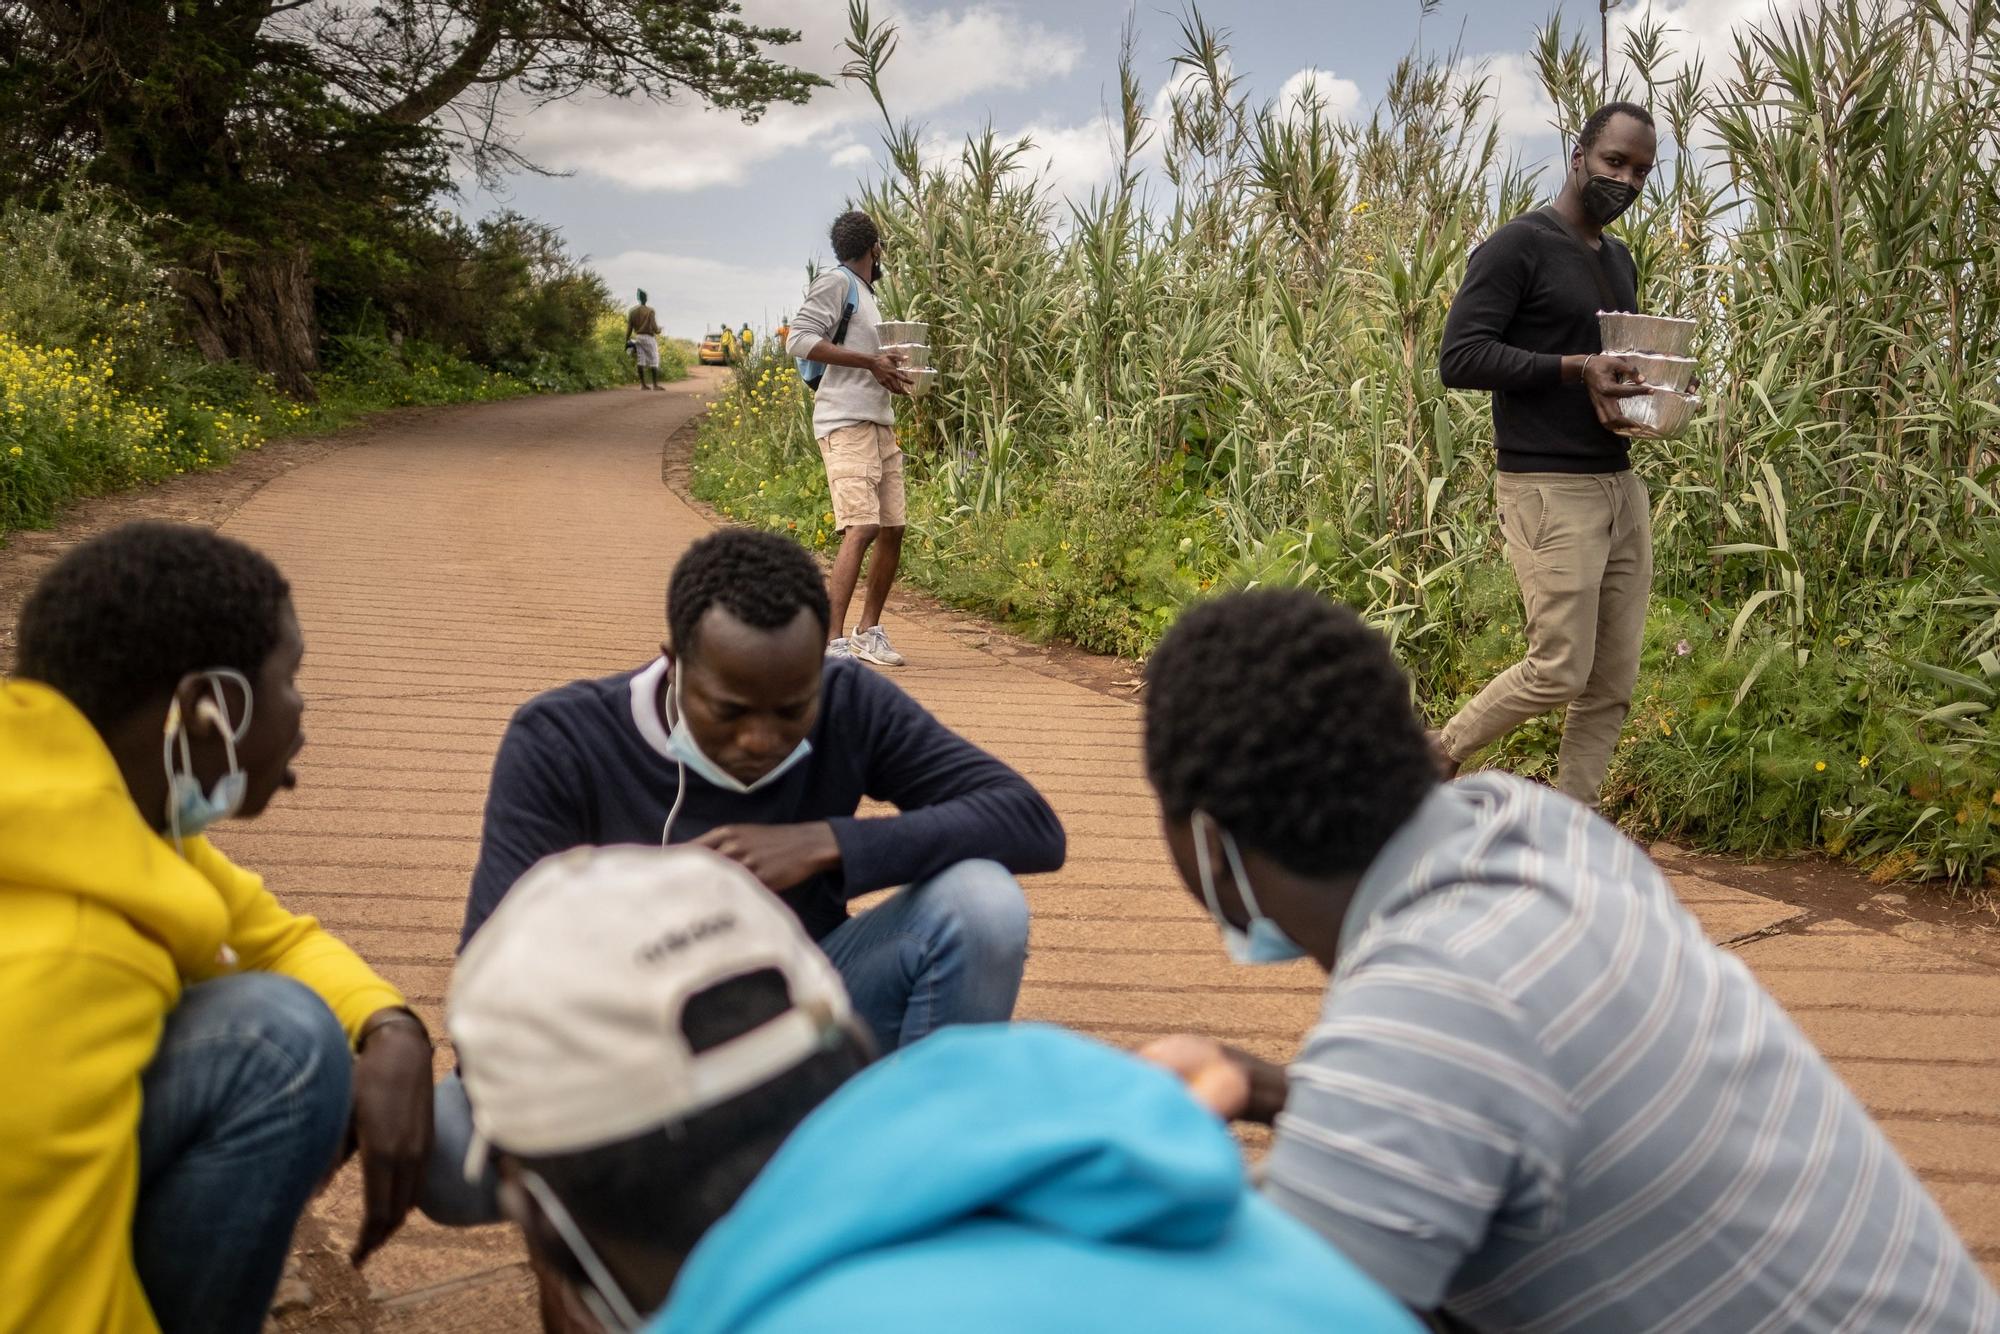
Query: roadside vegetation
x,y
1221,369
99,390
234,223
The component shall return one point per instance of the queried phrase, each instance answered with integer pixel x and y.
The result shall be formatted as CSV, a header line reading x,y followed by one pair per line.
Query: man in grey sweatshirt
x,y
856,426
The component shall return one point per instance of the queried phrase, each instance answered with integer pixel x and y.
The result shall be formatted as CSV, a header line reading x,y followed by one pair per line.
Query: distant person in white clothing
x,y
855,424
642,333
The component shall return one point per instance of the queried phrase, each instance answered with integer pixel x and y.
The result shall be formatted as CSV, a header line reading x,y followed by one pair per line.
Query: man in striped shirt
x,y
1538,1099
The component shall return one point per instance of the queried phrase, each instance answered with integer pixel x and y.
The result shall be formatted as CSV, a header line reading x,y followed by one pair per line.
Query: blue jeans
x,y
245,1108
947,950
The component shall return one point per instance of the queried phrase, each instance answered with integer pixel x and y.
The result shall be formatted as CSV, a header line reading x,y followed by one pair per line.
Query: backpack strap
x,y
853,304
812,372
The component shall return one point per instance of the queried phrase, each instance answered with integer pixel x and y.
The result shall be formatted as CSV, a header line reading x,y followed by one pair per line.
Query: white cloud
x,y
1696,27
1520,102
694,296
1073,160
1337,98
854,155
1069,160
944,57
1702,28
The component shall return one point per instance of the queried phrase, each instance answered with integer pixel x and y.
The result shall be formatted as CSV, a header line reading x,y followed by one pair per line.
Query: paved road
x,y
448,570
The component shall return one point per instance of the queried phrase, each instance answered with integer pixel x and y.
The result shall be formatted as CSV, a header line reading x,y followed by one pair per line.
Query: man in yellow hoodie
x,y
175,1044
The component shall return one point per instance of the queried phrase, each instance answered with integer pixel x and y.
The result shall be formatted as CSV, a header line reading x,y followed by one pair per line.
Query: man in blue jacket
x,y
744,738
678,1096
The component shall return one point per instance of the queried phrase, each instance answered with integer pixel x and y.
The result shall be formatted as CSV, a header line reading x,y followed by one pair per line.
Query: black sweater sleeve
x,y
1475,353
956,802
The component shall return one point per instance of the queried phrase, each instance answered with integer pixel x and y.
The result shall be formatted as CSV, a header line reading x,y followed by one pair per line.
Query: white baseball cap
x,y
566,1007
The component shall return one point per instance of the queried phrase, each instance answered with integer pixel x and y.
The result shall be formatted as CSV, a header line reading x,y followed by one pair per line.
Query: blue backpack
x,y
812,372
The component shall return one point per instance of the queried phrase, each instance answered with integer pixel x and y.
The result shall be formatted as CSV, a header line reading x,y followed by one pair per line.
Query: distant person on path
x,y
1537,1097
680,1103
1575,517
184,1058
747,338
642,326
744,739
855,423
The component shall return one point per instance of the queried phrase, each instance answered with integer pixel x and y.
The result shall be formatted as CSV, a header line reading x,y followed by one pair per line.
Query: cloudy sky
x,y
717,219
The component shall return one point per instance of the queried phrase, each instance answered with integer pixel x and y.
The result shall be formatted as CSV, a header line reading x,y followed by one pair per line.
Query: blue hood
x,y
962,1183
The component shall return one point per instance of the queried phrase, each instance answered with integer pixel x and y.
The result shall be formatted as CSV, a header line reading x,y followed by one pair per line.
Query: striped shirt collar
x,y
1446,811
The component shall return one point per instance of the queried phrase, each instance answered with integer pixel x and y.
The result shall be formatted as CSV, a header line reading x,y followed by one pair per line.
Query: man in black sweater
x,y
1574,516
743,737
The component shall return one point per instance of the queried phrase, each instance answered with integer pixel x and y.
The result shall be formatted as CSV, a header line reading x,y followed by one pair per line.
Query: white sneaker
x,y
841,648
872,645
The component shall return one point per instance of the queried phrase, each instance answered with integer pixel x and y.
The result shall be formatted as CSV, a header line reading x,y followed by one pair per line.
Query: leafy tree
x,y
263,133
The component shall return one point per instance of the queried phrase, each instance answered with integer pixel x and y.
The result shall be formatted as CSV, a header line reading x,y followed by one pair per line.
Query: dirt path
x,y
450,566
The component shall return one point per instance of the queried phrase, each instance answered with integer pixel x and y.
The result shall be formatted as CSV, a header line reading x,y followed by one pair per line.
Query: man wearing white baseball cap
x,y
679,1101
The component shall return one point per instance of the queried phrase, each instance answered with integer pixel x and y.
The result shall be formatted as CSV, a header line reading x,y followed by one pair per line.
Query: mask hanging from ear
x,y
190,807
600,1291
1264,941
688,751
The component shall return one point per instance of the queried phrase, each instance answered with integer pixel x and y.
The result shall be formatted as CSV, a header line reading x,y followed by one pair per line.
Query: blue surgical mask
x,y
1265,941
683,746
190,809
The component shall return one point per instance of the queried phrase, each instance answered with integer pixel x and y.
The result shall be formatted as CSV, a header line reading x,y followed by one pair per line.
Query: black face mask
x,y
1606,198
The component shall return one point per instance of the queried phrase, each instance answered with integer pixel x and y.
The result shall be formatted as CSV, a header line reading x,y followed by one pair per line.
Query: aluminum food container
x,y
902,331
1661,335
920,381
1658,414
916,356
1675,373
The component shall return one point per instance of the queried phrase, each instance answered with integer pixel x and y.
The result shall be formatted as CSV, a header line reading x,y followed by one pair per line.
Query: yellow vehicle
x,y
715,349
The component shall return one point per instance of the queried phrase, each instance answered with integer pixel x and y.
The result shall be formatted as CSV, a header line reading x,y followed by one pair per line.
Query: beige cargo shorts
x,y
864,472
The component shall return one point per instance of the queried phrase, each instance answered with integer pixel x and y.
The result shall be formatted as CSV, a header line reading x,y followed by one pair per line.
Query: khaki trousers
x,y
1582,548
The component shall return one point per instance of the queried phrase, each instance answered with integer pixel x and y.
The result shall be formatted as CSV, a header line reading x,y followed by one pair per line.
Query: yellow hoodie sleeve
x,y
79,1029
268,938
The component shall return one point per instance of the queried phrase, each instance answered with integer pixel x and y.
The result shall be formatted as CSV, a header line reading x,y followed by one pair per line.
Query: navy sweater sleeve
x,y
1475,352
535,806
956,802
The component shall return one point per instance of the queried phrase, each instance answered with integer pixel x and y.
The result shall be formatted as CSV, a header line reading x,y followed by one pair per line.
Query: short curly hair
x,y
115,624
763,580
1604,115
1286,719
853,235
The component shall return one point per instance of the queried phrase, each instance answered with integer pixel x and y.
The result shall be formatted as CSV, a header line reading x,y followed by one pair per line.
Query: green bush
x,y
78,275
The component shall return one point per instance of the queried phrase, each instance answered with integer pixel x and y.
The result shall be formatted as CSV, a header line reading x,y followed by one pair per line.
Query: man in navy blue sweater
x,y
744,738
